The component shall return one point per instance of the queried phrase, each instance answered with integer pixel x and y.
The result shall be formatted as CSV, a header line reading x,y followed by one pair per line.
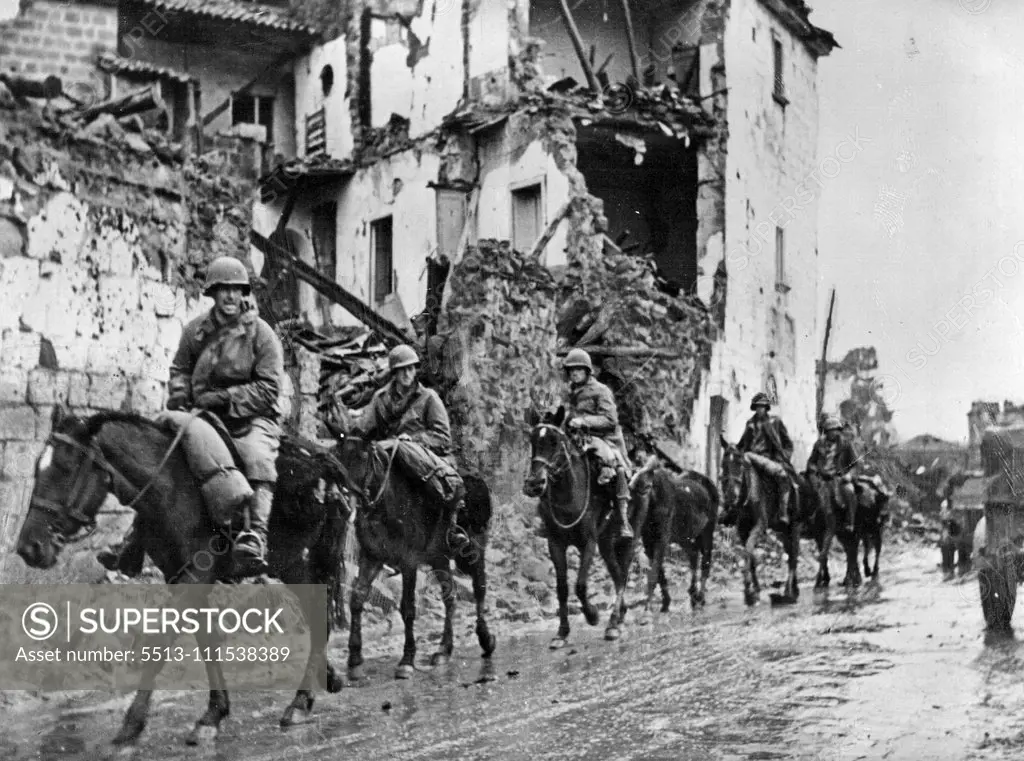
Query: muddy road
x,y
897,670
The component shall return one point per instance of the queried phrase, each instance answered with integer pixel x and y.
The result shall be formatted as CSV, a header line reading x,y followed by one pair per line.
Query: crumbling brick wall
x,y
102,234
59,38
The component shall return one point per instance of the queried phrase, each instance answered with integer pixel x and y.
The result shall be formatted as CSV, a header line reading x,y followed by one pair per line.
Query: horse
x,y
577,512
683,509
868,524
401,525
85,459
823,518
736,488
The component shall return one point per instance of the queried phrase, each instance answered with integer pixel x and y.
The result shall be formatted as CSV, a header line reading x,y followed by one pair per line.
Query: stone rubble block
x,y
12,234
20,458
58,231
78,390
309,372
108,392
48,386
13,384
17,423
61,307
20,349
19,281
168,334
147,396
72,354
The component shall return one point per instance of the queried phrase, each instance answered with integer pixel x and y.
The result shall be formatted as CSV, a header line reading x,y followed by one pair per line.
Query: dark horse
x,y
868,524
736,488
683,509
400,524
577,511
85,459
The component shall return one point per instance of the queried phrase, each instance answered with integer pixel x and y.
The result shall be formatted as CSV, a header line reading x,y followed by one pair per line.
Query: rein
x,y
563,447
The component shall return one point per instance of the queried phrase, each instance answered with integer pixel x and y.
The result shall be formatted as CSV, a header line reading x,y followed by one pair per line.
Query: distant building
x,y
985,415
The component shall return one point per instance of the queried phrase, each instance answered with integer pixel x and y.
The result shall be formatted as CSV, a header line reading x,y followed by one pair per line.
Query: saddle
x,y
214,460
439,477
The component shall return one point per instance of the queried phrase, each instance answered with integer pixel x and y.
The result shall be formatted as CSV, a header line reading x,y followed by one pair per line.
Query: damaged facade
x,y
475,127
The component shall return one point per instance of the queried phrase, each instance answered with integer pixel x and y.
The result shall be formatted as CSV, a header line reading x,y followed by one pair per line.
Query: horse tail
x,y
479,505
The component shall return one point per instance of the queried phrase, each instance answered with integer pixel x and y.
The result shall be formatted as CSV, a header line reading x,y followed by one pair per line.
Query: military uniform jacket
x,y
779,445
844,461
243,357
421,415
593,404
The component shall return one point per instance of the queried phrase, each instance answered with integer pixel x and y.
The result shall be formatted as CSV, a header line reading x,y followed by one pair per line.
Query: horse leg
x,y
557,552
408,610
586,558
656,554
617,570
368,570
751,586
707,547
792,590
218,706
877,537
478,572
299,710
851,545
694,552
444,578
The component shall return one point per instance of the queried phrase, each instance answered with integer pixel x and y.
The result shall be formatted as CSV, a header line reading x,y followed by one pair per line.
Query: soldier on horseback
x,y
591,409
767,447
409,412
832,465
229,361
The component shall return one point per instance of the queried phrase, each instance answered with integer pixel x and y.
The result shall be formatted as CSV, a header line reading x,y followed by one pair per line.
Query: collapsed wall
x,y
103,229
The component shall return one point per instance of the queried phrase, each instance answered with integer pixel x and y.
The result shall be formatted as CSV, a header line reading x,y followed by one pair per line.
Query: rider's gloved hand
x,y
215,401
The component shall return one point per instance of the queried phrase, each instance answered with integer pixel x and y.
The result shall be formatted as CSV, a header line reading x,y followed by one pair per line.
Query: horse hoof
x,y
489,645
333,682
557,643
612,633
439,659
750,598
592,616
356,673
202,734
404,671
293,717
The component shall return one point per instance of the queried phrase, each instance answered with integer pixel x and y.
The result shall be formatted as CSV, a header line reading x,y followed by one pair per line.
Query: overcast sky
x,y
930,211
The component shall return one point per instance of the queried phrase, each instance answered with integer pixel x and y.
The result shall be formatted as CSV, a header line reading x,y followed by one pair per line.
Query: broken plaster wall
x,y
771,333
513,156
337,104
99,243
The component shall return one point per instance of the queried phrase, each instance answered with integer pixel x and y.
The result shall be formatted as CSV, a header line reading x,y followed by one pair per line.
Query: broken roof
x,y
284,176
129,67
794,14
235,10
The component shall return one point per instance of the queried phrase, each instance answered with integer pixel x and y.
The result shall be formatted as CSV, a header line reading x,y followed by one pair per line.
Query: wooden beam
x,y
823,367
577,43
289,207
389,332
549,231
26,87
132,103
634,58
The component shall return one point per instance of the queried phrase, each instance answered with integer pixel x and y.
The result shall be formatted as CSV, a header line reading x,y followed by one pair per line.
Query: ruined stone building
x,y
428,126
985,415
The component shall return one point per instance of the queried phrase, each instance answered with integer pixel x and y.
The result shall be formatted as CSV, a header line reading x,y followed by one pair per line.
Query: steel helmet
x,y
760,398
578,358
831,423
226,270
402,356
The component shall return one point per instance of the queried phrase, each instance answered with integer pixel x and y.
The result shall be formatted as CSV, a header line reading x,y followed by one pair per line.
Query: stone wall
x,y
101,235
61,38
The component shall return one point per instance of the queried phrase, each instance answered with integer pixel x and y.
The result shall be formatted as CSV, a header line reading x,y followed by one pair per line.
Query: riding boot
x,y
851,511
783,518
622,499
457,537
250,551
126,557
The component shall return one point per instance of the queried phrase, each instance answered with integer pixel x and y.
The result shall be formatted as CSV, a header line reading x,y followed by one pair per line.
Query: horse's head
x,y
548,451
732,475
72,480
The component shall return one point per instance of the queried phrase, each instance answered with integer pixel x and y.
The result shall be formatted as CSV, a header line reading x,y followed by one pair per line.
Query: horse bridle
x,y
563,439
92,458
69,511
733,479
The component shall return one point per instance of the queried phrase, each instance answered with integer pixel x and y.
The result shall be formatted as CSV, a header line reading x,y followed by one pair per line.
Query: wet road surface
x,y
897,670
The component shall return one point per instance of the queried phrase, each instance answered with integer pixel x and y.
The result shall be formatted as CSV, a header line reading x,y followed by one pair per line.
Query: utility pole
x,y
822,366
